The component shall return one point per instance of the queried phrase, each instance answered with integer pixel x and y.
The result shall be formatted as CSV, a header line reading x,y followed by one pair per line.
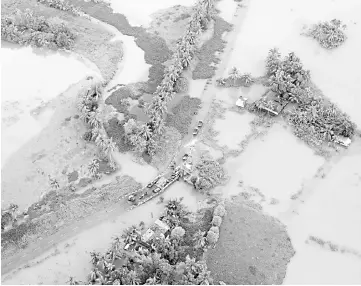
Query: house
x,y
343,141
157,229
241,101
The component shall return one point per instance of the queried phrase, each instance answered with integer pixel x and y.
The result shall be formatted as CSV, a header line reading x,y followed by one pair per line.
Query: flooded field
x,y
138,12
25,88
72,257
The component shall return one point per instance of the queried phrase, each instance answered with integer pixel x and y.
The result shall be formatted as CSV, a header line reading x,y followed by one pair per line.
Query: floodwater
x,y
138,12
281,166
227,7
73,258
233,129
335,72
31,78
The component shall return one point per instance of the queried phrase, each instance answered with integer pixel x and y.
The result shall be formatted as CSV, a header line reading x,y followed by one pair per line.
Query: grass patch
x,y
167,146
203,224
182,114
207,53
91,40
115,130
256,251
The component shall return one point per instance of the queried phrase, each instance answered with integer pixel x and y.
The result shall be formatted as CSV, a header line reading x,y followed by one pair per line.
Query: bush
x,y
181,85
211,174
178,232
217,221
212,237
25,28
219,211
214,229
330,35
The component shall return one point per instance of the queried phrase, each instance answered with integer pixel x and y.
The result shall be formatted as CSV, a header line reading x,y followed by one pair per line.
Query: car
x,y
185,157
142,196
195,131
200,123
146,193
150,185
157,190
131,198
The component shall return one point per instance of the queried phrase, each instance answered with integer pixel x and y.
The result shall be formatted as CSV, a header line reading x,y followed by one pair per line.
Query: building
x,y
157,229
241,102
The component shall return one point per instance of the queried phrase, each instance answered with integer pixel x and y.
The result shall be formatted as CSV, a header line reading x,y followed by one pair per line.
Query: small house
x,y
241,102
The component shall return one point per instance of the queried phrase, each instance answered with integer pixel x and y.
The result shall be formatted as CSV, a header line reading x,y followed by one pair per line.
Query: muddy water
x,y
31,78
73,258
328,208
233,129
138,12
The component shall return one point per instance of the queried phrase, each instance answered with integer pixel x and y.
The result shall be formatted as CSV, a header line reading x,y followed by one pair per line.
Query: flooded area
x,y
24,88
281,167
227,8
335,72
233,129
138,12
72,257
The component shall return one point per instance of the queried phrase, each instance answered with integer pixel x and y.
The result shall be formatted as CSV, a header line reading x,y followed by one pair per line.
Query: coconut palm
x,y
108,146
93,167
199,239
92,119
95,257
152,281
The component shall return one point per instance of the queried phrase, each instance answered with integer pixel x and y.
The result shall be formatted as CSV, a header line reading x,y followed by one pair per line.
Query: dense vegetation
x,y
165,261
185,51
330,34
25,28
313,118
210,174
236,79
62,5
88,106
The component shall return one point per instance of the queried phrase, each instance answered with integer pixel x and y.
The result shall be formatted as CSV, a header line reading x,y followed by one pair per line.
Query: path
x,y
207,97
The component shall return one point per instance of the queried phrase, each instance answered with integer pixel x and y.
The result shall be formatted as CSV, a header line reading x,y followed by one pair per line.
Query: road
x,y
209,92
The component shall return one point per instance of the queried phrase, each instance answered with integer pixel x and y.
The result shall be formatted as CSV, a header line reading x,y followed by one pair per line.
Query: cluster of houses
x,y
157,230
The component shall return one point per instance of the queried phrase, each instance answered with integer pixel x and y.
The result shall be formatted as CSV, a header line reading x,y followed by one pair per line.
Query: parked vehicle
x,y
142,196
151,184
131,198
157,190
185,157
195,132
200,123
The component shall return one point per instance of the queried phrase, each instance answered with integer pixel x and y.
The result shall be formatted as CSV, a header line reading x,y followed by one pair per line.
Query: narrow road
x,y
209,92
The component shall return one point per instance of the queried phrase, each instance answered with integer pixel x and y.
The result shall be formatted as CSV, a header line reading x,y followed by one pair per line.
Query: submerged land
x,y
177,142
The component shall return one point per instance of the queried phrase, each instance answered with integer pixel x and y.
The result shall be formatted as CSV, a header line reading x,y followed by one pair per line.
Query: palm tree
x,y
92,119
199,239
234,74
108,146
152,281
133,278
95,257
145,132
93,167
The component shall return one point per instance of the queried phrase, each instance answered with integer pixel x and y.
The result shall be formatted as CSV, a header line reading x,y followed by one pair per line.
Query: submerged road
x,y
207,97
